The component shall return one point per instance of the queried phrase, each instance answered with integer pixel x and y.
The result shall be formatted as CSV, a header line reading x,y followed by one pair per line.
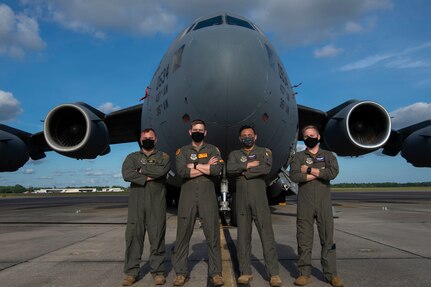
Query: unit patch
x,y
308,160
243,158
193,156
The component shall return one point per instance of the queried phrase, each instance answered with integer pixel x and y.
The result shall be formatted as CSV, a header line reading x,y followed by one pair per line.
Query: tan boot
x,y
180,280
245,279
129,280
336,281
159,279
217,280
302,280
275,281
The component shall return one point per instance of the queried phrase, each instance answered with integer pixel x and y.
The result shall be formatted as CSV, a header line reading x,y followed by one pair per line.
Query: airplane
x,y
221,69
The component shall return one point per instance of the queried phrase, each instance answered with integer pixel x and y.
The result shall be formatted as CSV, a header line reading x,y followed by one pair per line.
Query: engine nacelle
x,y
416,148
76,130
357,129
13,152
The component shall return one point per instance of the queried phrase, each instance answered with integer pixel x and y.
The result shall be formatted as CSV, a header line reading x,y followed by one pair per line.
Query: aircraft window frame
x,y
230,20
257,28
214,21
190,28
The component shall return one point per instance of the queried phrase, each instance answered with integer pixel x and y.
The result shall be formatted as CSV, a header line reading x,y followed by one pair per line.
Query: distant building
x,y
77,190
113,189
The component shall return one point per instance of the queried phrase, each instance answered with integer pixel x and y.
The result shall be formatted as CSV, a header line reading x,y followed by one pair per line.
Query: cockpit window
x,y
238,22
209,22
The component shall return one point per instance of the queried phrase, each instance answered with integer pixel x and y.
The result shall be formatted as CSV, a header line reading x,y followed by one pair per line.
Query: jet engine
x,y
13,152
416,148
357,128
76,130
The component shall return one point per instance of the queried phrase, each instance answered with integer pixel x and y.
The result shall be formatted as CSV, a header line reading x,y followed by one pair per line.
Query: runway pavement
x,y
382,240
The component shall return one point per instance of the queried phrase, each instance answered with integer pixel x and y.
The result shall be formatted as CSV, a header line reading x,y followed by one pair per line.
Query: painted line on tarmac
x,y
226,261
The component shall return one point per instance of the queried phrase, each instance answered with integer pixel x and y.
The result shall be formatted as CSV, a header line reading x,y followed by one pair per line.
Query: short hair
x,y
310,127
244,127
147,130
197,122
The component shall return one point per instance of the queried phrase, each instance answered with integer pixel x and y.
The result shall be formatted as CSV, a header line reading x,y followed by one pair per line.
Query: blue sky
x,y
105,53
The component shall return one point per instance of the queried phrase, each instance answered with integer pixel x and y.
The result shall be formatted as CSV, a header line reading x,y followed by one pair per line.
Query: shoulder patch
x,y
268,152
178,152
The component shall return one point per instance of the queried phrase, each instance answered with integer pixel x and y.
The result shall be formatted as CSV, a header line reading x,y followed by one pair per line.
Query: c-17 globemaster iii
x,y
221,69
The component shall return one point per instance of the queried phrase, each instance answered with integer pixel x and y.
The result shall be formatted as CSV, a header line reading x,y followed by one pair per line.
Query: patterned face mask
x,y
247,141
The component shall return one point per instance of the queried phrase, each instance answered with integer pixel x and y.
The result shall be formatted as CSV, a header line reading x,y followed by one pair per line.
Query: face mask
x,y
197,136
147,144
247,141
311,142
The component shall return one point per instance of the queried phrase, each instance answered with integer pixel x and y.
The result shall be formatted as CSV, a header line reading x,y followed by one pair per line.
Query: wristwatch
x,y
308,170
195,164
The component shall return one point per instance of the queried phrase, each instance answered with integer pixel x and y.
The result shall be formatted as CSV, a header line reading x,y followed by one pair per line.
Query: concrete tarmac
x,y
382,240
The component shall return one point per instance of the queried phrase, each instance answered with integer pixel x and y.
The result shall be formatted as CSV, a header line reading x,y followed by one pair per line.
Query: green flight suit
x,y
197,196
252,205
314,203
146,209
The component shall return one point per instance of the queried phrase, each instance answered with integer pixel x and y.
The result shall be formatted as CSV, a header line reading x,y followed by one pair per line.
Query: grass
x,y
381,189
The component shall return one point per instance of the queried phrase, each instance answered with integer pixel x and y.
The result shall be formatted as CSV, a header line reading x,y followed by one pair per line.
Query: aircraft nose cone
x,y
229,80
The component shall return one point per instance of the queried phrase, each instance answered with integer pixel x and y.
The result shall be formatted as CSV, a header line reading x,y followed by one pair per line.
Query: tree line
x,y
382,184
21,189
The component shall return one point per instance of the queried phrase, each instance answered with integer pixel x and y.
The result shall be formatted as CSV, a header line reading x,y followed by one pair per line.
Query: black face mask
x,y
198,137
311,142
147,144
247,141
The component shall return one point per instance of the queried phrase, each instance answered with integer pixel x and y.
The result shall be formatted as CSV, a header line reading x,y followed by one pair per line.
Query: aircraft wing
x,y
75,130
124,125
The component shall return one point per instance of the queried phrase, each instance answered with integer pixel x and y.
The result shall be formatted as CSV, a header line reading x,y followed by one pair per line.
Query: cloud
x,y
18,33
411,114
308,21
353,27
28,171
100,17
94,173
292,22
108,107
327,51
394,60
10,107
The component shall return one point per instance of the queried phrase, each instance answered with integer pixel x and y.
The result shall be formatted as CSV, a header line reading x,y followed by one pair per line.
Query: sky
x,y
105,52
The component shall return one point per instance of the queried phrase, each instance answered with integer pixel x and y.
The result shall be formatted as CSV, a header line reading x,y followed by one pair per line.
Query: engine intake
x,y
359,128
76,130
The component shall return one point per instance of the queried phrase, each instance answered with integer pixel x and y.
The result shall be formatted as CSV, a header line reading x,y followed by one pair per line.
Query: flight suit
x,y
314,203
252,204
197,196
146,209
